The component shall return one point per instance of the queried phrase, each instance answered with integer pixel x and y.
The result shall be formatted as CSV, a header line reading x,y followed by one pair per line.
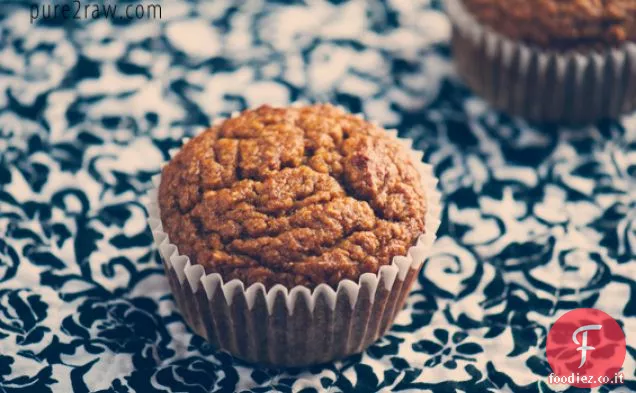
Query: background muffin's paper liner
x,y
540,84
296,327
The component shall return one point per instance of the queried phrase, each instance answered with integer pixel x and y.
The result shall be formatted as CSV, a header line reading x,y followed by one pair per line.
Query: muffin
x,y
291,236
570,61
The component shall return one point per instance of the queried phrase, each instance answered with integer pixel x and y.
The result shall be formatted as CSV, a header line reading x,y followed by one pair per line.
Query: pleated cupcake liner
x,y
540,84
297,326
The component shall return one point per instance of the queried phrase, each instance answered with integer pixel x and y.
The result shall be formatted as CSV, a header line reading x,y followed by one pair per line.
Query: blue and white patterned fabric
x,y
537,219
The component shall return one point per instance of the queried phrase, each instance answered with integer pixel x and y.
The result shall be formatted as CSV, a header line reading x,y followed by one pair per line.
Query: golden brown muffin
x,y
293,196
560,24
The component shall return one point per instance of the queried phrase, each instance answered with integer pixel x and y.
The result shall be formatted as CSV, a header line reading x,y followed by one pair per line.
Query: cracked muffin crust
x,y
560,24
292,196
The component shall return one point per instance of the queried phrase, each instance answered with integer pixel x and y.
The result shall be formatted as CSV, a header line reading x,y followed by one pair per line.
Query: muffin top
x,y
293,196
560,24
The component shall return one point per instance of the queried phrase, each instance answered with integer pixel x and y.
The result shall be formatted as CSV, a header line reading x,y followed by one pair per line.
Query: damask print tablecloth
x,y
537,219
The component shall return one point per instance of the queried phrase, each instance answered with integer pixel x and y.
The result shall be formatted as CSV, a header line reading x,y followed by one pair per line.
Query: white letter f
x,y
584,347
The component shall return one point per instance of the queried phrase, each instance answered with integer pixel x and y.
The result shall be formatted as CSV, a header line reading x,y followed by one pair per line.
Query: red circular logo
x,y
586,348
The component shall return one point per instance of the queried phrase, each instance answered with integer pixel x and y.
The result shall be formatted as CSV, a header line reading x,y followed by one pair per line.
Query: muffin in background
x,y
292,236
571,61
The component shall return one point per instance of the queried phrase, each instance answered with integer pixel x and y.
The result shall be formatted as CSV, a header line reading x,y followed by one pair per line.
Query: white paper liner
x,y
296,327
541,84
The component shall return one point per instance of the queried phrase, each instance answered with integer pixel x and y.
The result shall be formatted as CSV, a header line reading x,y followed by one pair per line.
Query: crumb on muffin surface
x,y
292,196
579,25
